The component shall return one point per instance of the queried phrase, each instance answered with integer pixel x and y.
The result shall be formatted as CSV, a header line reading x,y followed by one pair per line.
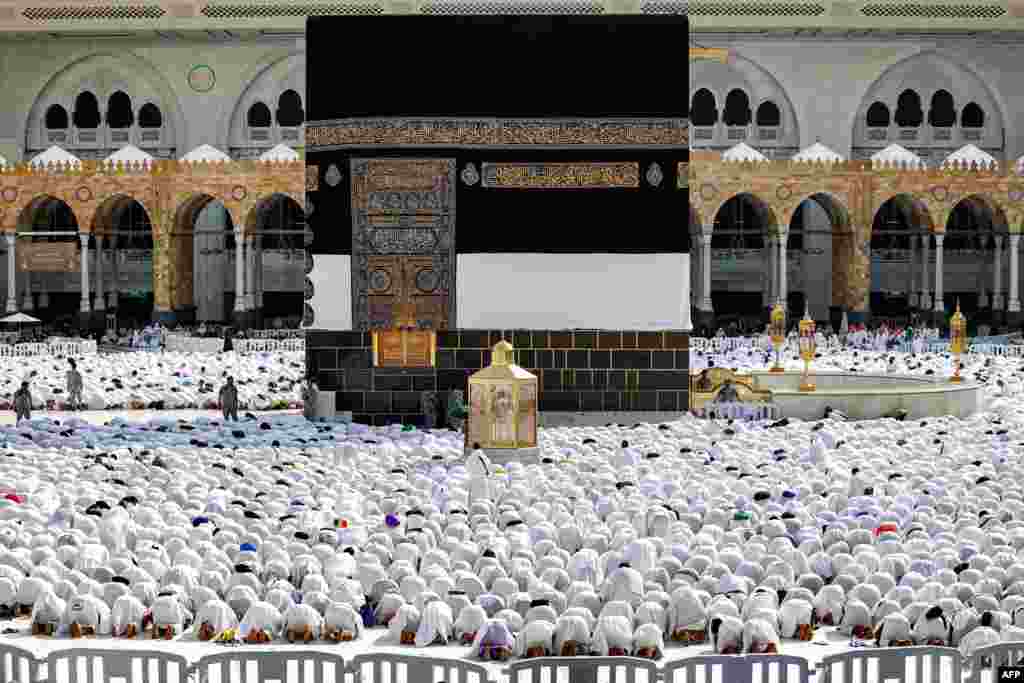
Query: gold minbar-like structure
x,y
404,346
502,404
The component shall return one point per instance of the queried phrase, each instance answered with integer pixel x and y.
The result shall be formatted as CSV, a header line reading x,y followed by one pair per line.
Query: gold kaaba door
x,y
414,281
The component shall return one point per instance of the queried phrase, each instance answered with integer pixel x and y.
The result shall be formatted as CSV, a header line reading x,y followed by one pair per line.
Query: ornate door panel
x,y
398,279
403,241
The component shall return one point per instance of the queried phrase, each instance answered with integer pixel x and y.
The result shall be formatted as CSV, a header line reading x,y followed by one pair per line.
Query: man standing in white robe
x,y
480,470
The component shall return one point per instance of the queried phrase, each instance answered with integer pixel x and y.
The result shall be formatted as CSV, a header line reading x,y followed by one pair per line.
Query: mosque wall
x,y
824,87
578,371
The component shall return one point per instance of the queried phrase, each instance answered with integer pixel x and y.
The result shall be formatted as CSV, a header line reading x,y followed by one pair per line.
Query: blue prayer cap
x,y
196,521
247,547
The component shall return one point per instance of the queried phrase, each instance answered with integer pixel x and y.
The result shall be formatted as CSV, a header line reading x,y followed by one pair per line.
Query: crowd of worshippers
x,y
734,536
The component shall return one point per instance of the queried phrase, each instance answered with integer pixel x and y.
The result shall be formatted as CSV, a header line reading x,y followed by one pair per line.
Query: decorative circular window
x,y
202,78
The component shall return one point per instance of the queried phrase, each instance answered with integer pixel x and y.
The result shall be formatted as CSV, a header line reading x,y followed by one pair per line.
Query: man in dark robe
x,y
23,403
229,400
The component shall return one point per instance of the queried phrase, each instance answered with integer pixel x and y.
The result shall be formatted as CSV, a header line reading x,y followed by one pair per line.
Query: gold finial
x,y
502,353
958,305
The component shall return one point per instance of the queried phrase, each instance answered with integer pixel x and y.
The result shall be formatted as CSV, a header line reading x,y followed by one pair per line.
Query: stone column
x,y
1013,316
12,284
250,276
911,275
84,239
115,276
783,268
239,272
940,305
101,302
925,258
705,269
997,282
773,271
259,273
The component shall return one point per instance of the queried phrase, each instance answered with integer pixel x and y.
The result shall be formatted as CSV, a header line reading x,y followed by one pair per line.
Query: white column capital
x,y
83,237
11,237
1014,240
1000,241
938,240
924,240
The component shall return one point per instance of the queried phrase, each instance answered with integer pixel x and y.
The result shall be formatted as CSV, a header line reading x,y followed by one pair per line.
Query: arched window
x,y
56,117
768,114
878,116
289,109
908,110
119,111
703,111
259,116
972,116
737,109
942,113
87,111
150,116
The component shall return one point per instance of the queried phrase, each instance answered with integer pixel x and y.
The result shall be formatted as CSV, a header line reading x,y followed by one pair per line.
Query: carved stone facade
x,y
852,193
170,192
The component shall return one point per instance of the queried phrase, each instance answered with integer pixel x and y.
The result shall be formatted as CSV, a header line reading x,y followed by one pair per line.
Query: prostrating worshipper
x,y
302,623
87,615
342,623
648,642
127,616
494,641
228,397
47,613
261,624
213,619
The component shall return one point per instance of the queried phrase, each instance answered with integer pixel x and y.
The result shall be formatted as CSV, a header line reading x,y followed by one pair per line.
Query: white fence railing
x,y
728,410
276,334
250,664
268,345
179,343
64,348
726,344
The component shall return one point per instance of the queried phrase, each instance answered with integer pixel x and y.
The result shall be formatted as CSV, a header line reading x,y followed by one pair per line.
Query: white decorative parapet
x,y
61,348
269,345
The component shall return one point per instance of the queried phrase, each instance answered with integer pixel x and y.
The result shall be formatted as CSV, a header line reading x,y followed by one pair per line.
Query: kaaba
x,y
488,178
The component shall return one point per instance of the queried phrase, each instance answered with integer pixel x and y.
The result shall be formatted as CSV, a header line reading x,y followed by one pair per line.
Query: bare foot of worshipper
x,y
536,651
130,631
569,649
617,652
304,634
206,632
689,636
647,653
863,632
408,638
258,637
805,632
499,653
75,631
43,630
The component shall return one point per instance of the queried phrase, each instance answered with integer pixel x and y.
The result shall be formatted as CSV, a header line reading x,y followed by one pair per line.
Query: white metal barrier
x,y
268,345
286,665
276,334
64,348
985,662
183,344
740,669
739,411
899,665
584,670
18,665
103,666
283,665
381,668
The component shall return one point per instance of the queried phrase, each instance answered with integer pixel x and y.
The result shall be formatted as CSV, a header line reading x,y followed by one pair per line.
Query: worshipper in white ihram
x,y
480,475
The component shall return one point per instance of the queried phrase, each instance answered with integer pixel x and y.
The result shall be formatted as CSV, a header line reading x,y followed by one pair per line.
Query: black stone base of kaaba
x,y
577,371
